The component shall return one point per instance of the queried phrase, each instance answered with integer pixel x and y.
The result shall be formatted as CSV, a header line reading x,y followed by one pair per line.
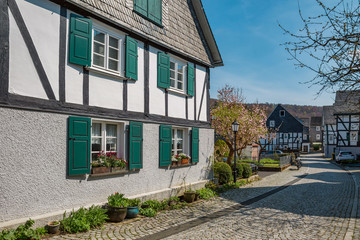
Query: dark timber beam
x,y
4,50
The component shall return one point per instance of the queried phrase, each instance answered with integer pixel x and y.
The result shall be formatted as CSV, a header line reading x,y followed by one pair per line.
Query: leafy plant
x,y
148,212
156,205
247,172
118,200
23,232
134,202
239,168
211,185
83,219
206,193
222,171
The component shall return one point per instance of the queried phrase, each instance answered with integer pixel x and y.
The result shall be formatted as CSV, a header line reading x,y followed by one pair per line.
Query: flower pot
x,y
196,196
189,197
132,212
174,163
117,169
185,161
53,227
97,170
116,214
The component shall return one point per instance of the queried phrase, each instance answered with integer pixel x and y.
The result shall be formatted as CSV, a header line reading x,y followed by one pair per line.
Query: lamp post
x,y
235,128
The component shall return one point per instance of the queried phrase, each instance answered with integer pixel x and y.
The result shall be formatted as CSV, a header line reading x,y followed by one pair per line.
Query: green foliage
x,y
83,219
156,205
316,147
221,149
222,171
206,193
247,170
23,232
117,200
211,185
134,202
229,186
274,165
239,169
148,212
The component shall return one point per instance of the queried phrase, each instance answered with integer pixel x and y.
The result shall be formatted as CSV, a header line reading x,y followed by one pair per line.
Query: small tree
x,y
251,120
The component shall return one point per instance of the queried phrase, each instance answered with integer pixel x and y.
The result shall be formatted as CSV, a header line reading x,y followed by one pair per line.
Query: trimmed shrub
x,y
222,171
239,168
247,172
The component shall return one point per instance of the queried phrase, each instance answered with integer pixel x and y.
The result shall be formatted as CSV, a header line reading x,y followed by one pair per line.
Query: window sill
x,y
121,172
108,73
182,165
177,92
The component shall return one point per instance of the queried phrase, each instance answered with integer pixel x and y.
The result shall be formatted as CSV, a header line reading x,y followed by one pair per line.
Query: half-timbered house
x,y
289,130
77,77
329,126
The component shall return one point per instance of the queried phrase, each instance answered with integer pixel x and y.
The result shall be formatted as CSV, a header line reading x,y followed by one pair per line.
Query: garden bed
x,y
273,169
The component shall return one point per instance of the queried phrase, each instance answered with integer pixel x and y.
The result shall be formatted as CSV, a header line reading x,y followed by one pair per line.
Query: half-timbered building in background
x,y
329,126
131,77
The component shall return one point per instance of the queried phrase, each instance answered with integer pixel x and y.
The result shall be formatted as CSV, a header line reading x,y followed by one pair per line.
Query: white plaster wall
x,y
105,91
73,74
177,106
200,79
191,108
33,176
157,95
42,21
136,88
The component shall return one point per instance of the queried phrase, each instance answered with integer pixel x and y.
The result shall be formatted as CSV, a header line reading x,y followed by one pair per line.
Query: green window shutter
x,y
79,132
195,145
165,145
190,79
163,70
135,145
80,40
141,6
131,58
154,10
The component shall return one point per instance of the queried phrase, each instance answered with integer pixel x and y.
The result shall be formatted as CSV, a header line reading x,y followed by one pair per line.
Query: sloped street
x,y
320,201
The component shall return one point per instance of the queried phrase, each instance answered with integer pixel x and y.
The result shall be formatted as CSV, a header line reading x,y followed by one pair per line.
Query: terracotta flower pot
x,y
185,161
116,214
189,197
97,170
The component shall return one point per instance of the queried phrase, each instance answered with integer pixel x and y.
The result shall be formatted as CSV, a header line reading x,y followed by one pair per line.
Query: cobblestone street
x,y
317,202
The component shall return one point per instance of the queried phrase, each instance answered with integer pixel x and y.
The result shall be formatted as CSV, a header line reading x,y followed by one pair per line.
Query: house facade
x,y
126,77
330,132
316,133
289,130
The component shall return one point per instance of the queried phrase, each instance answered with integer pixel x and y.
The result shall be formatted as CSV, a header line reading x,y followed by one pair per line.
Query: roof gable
x,y
287,123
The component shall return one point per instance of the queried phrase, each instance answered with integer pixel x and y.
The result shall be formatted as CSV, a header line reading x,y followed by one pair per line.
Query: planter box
x,y
118,169
185,161
97,170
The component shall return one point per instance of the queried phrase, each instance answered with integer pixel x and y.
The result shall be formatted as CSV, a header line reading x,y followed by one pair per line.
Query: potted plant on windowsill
x,y
175,160
117,164
185,159
133,208
117,207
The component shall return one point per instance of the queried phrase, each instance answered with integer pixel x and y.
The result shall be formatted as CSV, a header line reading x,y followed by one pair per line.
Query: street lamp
x,y
235,128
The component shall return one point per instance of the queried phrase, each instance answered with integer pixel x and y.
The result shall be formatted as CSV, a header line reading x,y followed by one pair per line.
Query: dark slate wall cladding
x,y
288,123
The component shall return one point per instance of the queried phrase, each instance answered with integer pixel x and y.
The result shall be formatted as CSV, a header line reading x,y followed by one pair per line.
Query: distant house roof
x,y
315,121
347,102
305,121
185,30
287,123
328,115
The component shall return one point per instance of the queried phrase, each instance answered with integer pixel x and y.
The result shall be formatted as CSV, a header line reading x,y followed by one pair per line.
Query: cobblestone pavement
x,y
319,206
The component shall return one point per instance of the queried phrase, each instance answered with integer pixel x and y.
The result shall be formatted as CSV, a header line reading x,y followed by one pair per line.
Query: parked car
x,y
345,156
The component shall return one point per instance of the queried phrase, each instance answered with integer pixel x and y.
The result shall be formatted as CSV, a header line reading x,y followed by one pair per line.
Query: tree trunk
x,y
231,153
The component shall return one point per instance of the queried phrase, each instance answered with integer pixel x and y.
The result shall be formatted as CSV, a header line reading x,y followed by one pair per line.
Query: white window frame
x,y
318,128
282,113
120,135
272,123
185,139
318,137
108,33
178,62
305,137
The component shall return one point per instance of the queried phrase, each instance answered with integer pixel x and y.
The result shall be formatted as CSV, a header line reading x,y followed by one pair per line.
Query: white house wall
x,y
157,95
178,106
200,79
24,79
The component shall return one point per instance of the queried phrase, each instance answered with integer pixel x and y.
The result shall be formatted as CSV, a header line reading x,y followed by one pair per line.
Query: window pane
x,y
179,145
111,130
180,85
98,36
94,156
96,129
180,134
113,65
98,60
111,144
172,82
96,144
172,65
180,68
99,48
180,77
113,42
173,145
113,53
172,74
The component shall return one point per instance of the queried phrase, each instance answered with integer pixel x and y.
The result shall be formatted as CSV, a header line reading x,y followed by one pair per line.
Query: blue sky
x,y
249,38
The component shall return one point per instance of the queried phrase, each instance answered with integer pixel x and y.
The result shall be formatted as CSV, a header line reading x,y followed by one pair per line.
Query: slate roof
x,y
328,115
182,31
315,121
287,124
347,102
305,121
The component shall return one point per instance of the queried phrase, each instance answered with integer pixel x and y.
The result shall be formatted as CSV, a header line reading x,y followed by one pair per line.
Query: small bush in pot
x,y
222,171
117,207
133,208
53,227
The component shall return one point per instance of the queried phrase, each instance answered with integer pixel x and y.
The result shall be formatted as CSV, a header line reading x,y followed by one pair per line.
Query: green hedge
x,y
222,171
